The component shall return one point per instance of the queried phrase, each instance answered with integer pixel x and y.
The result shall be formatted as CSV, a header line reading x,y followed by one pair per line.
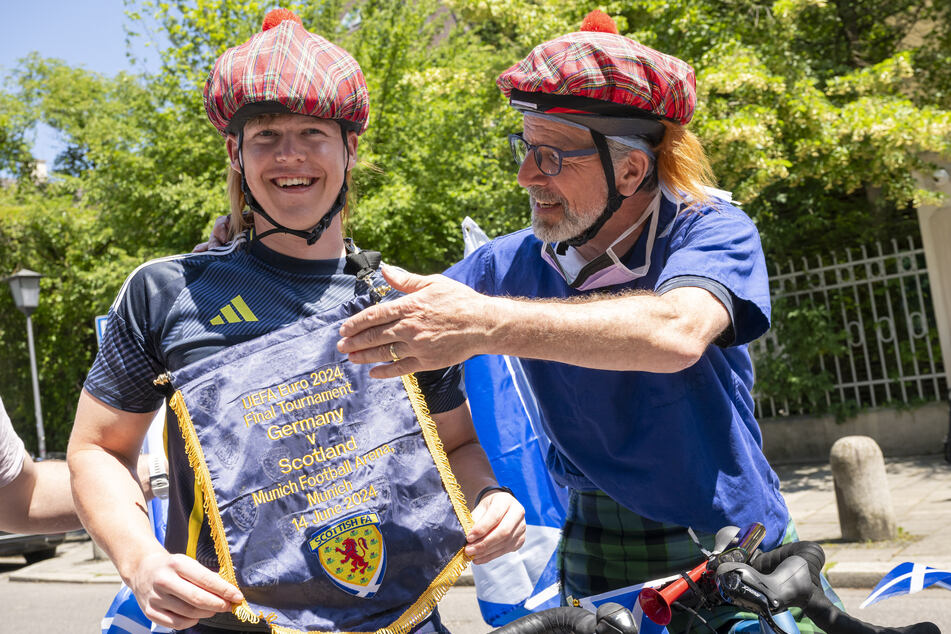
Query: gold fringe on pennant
x,y
434,442
448,575
196,458
426,603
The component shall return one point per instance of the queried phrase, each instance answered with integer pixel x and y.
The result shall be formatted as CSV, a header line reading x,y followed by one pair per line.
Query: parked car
x,y
33,547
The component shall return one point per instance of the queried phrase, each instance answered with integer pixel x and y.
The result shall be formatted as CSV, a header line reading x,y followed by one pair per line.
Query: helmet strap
x,y
614,197
311,235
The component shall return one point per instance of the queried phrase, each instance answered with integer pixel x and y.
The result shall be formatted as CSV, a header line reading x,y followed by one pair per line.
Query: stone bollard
x,y
861,490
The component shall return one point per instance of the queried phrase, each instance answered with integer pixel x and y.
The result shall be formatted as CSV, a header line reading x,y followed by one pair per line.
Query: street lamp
x,y
25,285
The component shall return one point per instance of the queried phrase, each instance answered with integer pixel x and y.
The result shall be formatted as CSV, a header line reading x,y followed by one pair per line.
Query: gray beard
x,y
573,222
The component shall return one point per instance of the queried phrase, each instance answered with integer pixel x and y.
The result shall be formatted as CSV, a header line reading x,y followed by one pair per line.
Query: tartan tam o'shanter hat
x,y
285,68
602,80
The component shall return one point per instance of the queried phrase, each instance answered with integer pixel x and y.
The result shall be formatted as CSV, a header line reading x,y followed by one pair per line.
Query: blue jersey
x,y
175,310
682,447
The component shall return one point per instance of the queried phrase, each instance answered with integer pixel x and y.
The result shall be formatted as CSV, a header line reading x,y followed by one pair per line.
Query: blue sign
x,y
101,321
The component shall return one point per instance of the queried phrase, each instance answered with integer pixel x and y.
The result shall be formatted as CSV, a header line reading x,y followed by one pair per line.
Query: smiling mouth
x,y
546,205
297,182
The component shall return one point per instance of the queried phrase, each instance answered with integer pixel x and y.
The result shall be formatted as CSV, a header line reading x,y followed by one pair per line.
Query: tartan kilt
x,y
605,546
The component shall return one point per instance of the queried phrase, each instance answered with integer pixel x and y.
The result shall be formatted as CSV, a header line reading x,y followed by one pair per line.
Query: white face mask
x,y
606,269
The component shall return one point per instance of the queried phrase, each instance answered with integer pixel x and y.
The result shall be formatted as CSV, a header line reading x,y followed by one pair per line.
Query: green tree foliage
x,y
42,228
815,113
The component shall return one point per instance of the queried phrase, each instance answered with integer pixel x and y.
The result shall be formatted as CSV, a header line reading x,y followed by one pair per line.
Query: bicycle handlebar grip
x,y
820,609
612,618
834,621
615,619
563,620
810,551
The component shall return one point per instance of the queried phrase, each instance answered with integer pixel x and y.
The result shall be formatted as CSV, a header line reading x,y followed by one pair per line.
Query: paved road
x,y
75,608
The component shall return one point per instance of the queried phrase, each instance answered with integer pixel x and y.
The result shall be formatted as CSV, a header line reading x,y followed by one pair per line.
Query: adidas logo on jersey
x,y
233,312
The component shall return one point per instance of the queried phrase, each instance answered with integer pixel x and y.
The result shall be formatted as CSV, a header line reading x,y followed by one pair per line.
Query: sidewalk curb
x,y
65,577
856,575
73,563
864,575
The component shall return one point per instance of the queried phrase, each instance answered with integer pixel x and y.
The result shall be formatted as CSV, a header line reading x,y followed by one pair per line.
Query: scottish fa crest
x,y
352,553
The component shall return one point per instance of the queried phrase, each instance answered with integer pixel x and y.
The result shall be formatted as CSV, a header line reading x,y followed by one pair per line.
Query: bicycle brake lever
x,y
733,590
789,585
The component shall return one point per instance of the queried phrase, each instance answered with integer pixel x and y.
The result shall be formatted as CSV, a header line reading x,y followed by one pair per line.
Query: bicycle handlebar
x,y
817,605
610,619
771,582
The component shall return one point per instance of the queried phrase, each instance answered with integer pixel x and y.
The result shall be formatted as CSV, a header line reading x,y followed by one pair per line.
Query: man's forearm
x,y
472,470
112,507
441,322
51,507
38,500
635,332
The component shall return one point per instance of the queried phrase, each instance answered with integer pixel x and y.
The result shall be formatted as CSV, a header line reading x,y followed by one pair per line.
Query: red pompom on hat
x,y
600,22
603,80
276,16
286,69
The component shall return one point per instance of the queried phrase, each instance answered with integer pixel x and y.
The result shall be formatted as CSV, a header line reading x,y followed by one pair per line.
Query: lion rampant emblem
x,y
352,553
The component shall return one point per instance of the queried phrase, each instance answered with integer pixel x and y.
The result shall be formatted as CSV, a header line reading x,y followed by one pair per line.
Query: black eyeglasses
x,y
547,158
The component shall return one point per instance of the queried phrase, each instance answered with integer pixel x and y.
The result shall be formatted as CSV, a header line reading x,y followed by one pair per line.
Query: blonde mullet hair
x,y
682,165
240,221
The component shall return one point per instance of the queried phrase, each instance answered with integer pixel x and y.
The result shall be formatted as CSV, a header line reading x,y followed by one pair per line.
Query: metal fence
x,y
880,306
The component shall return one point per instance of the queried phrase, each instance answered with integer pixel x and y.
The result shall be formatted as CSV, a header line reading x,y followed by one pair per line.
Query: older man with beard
x,y
630,300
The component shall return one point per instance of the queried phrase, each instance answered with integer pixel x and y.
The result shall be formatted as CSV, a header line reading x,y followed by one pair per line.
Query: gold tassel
x,y
434,442
196,458
426,603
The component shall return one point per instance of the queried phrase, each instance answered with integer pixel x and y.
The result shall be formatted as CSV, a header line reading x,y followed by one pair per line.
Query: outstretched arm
x,y
173,590
499,520
442,322
38,500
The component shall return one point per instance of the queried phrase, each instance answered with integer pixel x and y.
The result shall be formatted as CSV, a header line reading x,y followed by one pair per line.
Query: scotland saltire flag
x,y
627,597
908,578
506,418
125,616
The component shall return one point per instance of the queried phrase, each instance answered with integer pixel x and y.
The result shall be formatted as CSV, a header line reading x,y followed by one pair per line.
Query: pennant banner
x,y
507,421
328,493
908,578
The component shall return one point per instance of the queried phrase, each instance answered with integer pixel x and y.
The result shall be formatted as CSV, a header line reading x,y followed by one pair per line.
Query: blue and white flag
x,y
125,616
908,578
507,420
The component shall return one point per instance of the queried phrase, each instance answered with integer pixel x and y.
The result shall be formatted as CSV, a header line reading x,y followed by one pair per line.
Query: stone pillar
x,y
861,490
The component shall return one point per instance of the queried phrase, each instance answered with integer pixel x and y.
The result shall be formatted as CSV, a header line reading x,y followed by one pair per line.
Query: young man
x,y
292,139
